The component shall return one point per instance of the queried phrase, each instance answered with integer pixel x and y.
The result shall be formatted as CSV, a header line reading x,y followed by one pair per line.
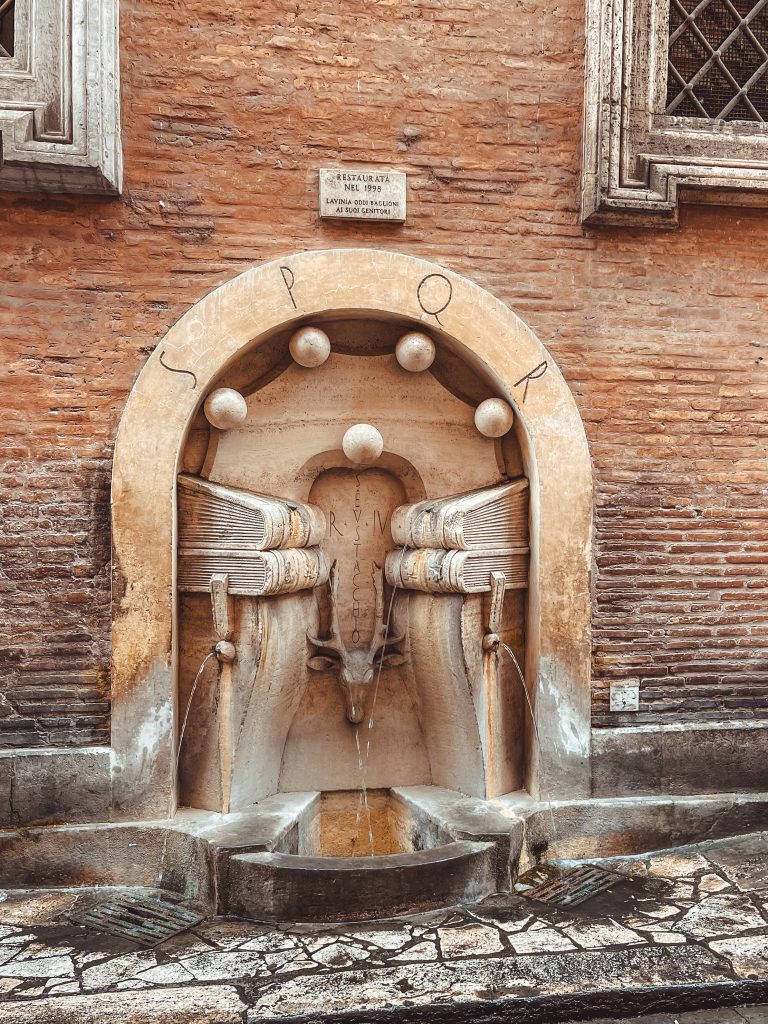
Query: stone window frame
x,y
640,163
60,99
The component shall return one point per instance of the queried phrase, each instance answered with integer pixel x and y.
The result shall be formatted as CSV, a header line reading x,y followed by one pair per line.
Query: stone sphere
x,y
494,417
362,444
226,652
225,408
310,346
415,351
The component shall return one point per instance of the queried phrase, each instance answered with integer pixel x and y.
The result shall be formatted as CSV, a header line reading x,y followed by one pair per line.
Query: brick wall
x,y
228,110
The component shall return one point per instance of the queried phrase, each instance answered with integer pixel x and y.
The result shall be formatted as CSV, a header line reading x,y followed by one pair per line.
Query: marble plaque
x,y
349,194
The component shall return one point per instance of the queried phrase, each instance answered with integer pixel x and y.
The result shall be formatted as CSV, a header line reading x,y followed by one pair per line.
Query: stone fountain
x,y
351,652
345,573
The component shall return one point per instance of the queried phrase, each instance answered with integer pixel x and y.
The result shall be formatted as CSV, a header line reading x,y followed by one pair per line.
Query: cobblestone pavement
x,y
679,923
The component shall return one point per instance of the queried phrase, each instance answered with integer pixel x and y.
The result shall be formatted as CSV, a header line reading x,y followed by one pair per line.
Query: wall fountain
x,y
345,573
350,675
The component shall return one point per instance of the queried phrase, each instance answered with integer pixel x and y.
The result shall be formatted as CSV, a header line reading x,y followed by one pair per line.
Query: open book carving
x,y
253,573
215,516
453,544
493,517
265,545
455,572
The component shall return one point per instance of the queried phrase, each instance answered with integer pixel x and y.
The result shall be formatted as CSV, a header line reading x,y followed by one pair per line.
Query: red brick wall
x,y
228,110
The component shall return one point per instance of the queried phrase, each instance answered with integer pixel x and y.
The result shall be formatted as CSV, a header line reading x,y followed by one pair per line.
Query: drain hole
x,y
571,887
148,918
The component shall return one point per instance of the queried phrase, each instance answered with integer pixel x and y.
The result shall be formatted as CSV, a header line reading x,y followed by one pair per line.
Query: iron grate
x,y
718,59
574,886
146,918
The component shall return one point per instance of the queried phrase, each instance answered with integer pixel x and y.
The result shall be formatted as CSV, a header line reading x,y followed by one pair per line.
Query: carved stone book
x,y
214,516
455,572
490,518
253,573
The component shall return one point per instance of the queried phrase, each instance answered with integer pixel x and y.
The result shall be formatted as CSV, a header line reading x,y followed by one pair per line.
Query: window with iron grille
x,y
718,59
7,34
676,108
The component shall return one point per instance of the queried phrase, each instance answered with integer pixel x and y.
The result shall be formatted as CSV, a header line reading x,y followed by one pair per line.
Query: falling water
x,y
203,663
547,799
362,804
362,761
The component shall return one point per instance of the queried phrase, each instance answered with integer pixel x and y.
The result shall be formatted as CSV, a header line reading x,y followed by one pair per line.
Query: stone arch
x,y
168,393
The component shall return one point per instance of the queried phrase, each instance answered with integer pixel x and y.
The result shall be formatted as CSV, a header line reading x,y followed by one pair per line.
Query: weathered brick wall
x,y
228,110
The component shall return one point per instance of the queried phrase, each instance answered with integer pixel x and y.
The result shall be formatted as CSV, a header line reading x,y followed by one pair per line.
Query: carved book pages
x,y
265,545
490,518
439,571
214,516
253,573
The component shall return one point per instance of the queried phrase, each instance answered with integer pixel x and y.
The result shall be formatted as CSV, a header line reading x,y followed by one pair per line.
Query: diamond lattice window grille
x,y
718,59
7,24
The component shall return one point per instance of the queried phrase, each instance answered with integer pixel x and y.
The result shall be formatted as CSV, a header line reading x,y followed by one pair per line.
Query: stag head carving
x,y
357,669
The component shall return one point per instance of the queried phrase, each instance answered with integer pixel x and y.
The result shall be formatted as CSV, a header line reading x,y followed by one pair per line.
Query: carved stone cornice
x,y
639,163
60,99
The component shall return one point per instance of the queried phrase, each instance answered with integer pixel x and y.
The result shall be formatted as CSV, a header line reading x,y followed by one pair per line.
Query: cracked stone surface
x,y
221,1005
675,920
748,955
720,915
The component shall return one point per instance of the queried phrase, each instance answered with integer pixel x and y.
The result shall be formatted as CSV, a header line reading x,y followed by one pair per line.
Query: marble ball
x,y
494,417
362,444
310,346
415,351
225,408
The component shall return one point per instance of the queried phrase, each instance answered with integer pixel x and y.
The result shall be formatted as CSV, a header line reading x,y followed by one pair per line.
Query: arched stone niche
x,y
197,352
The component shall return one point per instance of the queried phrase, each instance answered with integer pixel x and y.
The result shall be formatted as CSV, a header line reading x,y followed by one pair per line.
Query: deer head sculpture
x,y
357,668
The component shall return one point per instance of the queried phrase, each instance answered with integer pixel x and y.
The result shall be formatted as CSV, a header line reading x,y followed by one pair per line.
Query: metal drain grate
x,y
146,918
574,886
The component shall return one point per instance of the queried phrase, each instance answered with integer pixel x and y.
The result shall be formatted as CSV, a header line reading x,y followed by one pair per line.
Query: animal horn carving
x,y
356,669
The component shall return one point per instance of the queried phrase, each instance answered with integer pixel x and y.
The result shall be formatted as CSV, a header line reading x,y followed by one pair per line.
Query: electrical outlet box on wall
x,y
625,695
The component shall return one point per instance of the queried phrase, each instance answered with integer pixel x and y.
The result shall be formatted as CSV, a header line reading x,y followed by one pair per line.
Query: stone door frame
x,y
167,395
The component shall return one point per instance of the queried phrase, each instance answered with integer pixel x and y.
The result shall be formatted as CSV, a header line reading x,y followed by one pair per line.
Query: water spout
x,y
203,663
547,798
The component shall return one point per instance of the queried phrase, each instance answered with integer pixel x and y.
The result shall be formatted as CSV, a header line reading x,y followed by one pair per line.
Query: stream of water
x,y
362,760
547,799
203,663
362,805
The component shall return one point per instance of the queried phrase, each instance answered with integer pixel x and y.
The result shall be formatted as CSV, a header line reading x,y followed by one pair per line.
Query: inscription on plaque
x,y
348,194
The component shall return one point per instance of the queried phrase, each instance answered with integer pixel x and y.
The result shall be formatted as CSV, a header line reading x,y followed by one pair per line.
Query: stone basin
x,y
439,848
334,867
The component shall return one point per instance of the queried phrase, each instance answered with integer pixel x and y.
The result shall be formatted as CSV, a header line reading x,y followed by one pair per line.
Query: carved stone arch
x,y
168,393
395,464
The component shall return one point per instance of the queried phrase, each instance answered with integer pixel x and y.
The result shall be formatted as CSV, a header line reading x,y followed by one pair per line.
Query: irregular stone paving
x,y
695,916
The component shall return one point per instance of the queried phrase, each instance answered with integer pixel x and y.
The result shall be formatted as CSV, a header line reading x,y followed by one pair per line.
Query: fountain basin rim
x,y
272,886
184,854
378,862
